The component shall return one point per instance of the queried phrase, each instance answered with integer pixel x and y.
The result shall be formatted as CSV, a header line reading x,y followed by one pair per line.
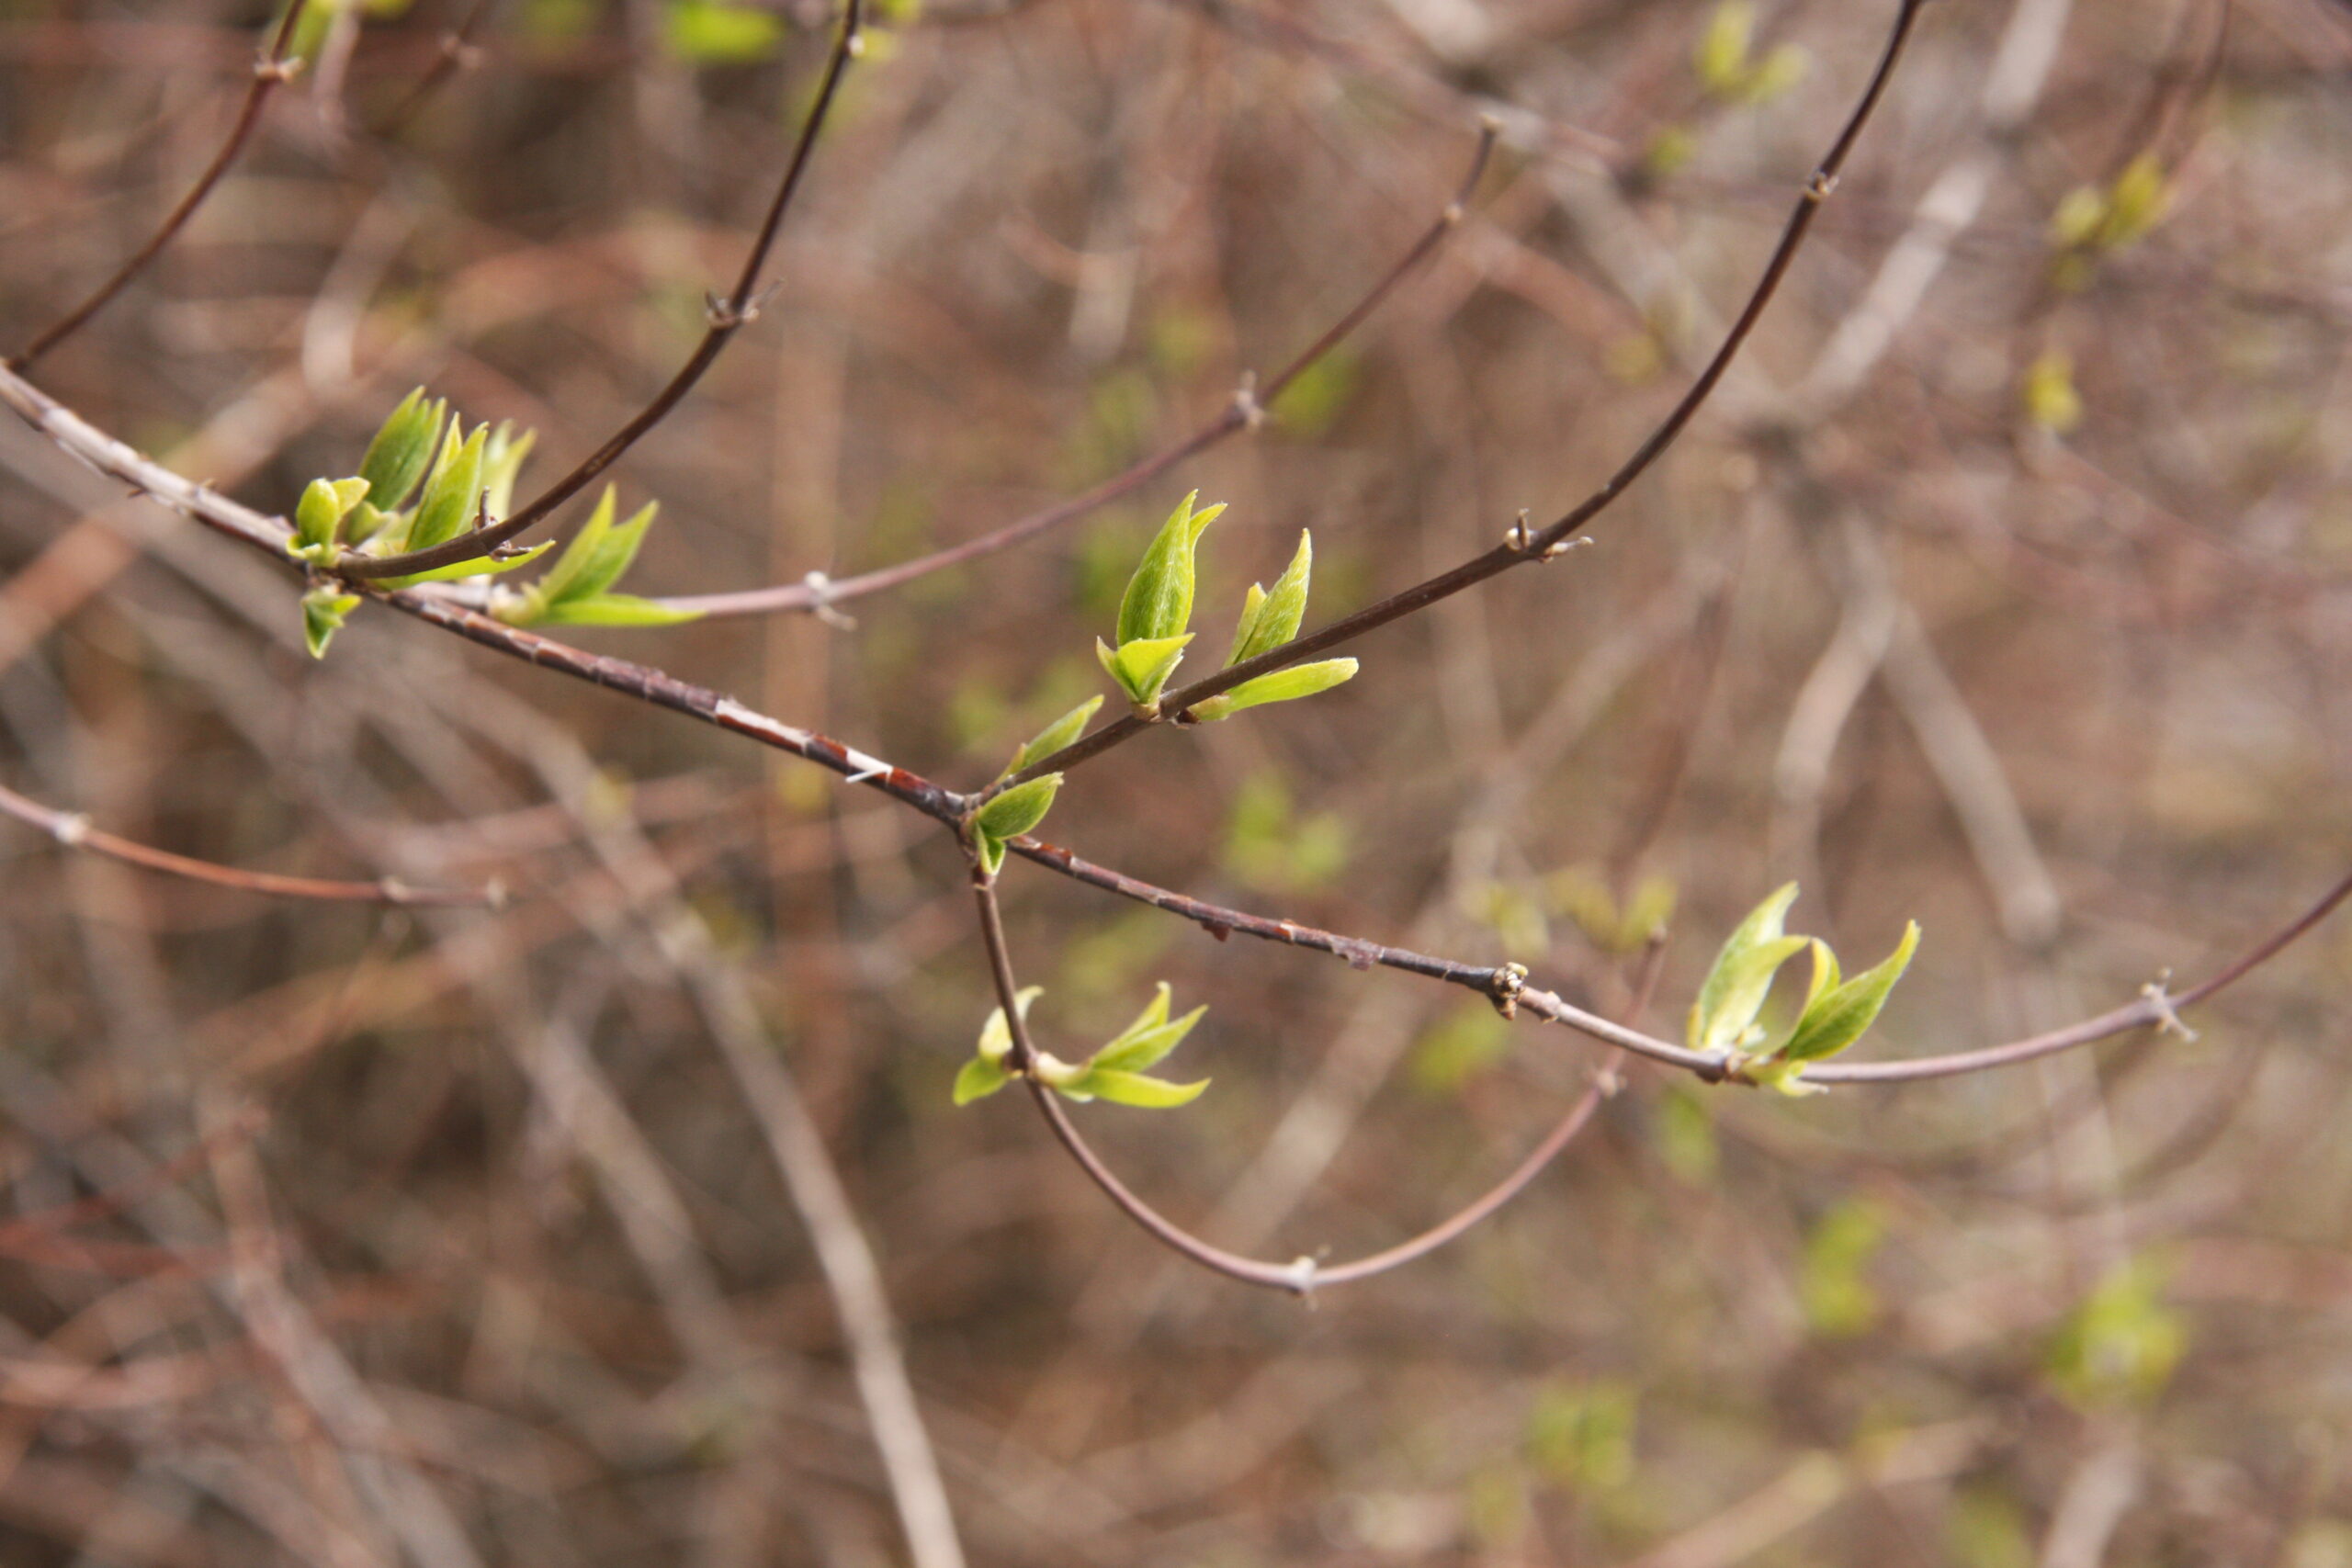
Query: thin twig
x,y
1245,410
272,68
73,830
726,318
117,459
1304,1275
1522,545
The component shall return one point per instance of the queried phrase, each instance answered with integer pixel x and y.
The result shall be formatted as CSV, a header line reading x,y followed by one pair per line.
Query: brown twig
x,y
1524,544
1246,410
1303,1276
73,830
726,318
272,68
1504,984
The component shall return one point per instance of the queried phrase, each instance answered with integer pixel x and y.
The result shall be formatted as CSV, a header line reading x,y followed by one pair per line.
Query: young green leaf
x,y
1141,1048
502,462
1159,601
318,516
1019,809
1054,737
1142,669
611,610
401,449
979,1079
324,610
481,566
1282,686
996,1035
1724,1014
451,492
1134,1088
1721,55
1836,1017
1270,619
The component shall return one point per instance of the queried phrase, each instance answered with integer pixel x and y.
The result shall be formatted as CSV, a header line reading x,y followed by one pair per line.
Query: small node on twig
x,y
462,55
1520,539
281,71
70,830
2159,996
855,45
496,894
1246,403
1821,186
1301,1283
1504,986
820,602
1608,1081
394,890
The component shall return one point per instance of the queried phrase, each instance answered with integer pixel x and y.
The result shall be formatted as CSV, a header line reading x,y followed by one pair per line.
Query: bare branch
x,y
73,830
272,68
1522,545
1244,411
727,317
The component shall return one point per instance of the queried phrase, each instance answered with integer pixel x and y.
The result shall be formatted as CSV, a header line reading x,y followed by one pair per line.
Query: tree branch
x,y
73,830
272,68
727,317
1246,410
1522,545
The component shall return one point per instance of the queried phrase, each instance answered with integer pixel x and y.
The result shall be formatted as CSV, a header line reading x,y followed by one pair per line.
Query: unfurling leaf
x,y
452,492
574,592
1009,815
614,610
1282,686
318,516
1142,669
401,449
502,461
980,1078
1271,619
996,1034
324,610
1134,1089
1159,601
1147,1042
481,566
1723,1018
1835,1017
1054,737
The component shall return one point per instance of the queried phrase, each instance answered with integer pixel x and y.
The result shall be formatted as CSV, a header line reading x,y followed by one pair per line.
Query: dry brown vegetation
x,y
2002,584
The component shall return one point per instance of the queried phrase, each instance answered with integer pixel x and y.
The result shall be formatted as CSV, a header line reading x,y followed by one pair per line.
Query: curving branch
x,y
1504,984
1521,544
73,830
272,67
1303,1275
726,318
1246,410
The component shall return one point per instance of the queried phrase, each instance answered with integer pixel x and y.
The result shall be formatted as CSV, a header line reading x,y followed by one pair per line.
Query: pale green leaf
x,y
1271,618
481,566
502,462
1280,686
706,32
1142,669
1835,1019
402,449
613,610
1734,988
996,1035
1018,809
980,1078
1134,1088
323,612
1159,601
1054,737
452,492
